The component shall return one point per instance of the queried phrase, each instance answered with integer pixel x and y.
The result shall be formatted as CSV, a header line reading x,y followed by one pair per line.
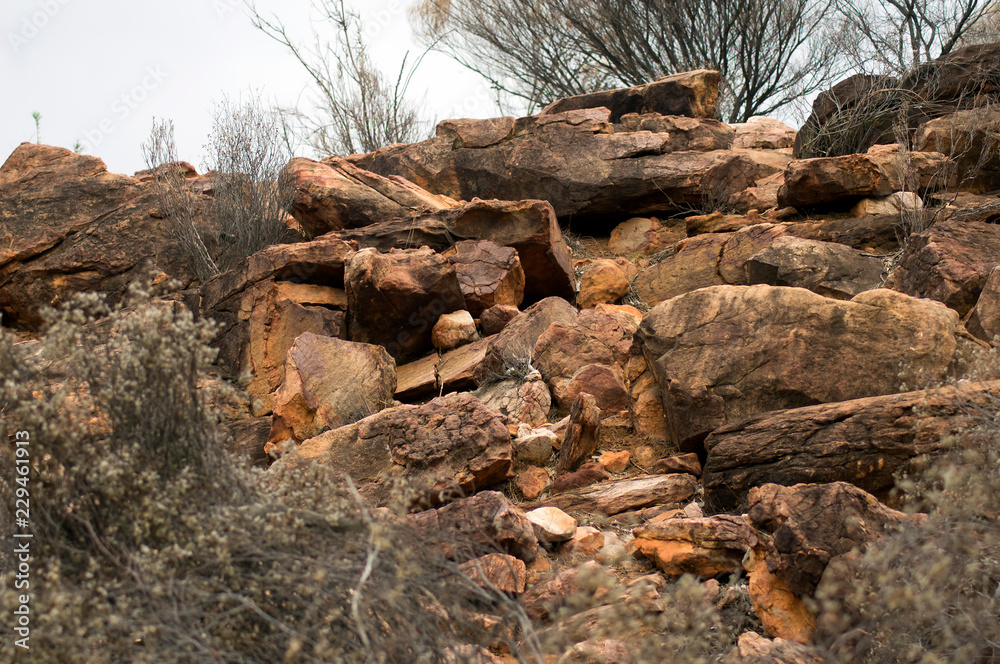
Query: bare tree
x,y
770,52
356,107
892,36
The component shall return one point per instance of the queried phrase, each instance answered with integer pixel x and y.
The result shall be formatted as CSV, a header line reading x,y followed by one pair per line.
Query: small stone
x,y
551,524
495,319
645,456
589,473
497,570
587,541
604,282
534,447
454,330
615,462
532,481
680,463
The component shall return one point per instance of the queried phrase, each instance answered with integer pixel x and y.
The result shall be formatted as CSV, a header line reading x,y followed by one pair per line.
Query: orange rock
x,y
615,462
604,282
782,612
532,482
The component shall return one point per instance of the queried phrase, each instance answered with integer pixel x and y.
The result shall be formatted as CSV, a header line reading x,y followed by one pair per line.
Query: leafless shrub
x,y
356,107
152,545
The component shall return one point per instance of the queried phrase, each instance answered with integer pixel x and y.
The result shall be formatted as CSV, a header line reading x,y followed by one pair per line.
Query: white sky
x,y
98,71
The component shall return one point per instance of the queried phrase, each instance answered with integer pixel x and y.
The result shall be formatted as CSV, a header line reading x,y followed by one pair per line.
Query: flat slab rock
x,y
622,495
451,445
861,441
703,546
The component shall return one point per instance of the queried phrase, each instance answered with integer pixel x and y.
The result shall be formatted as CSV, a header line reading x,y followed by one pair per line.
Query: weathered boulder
x,y
329,383
480,524
752,648
551,524
827,180
395,298
587,474
488,274
615,462
725,353
582,433
512,350
830,269
898,203
532,482
862,441
454,330
692,94
604,282
783,614
912,170
449,446
335,194
69,226
535,446
602,382
497,571
686,134
762,133
694,265
576,161
811,523
453,371
619,496
949,262
495,319
984,320
704,547
970,137
521,401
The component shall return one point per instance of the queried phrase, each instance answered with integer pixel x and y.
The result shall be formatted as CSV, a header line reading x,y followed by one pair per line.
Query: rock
x,y
646,405
680,463
984,320
615,462
495,319
396,298
827,180
904,202
752,648
877,235
763,195
839,102
586,541
727,353
811,523
597,651
761,133
512,349
604,282
450,445
489,275
497,572
519,401
833,270
486,523
551,524
590,173
582,434
544,600
782,613
69,226
329,383
692,94
626,494
970,137
863,441
589,473
454,330
535,447
644,236
949,262
694,265
912,171
705,547
335,194
686,134
453,371
532,482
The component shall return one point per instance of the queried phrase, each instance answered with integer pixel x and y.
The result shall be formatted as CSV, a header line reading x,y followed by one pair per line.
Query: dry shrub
x,y
152,545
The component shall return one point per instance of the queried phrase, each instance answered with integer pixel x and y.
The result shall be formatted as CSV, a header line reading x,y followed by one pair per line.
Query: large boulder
x,y
488,274
396,297
827,180
809,524
827,268
726,353
512,350
972,139
450,446
692,94
67,225
863,441
335,194
574,159
329,383
949,262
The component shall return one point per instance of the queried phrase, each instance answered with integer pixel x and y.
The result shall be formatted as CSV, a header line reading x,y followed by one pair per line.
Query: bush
x,y
152,545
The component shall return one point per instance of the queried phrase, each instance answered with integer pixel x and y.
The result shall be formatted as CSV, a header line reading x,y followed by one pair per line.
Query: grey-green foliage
x,y
153,545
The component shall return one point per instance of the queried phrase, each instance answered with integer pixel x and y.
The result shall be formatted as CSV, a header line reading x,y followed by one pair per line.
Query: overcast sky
x,y
99,71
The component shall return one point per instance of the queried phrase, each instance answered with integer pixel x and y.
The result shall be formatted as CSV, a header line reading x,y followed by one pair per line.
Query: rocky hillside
x,y
617,331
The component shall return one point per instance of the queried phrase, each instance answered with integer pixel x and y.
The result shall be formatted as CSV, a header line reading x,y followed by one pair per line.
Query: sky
x,y
99,71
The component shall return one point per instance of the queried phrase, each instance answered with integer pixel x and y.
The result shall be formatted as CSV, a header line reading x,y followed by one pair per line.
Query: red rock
x,y
532,482
582,434
704,547
686,134
694,265
586,541
526,402
826,180
618,496
681,463
589,473
551,524
329,383
644,236
489,275
454,330
984,320
601,382
970,136
692,94
782,613
604,282
535,447
752,648
495,319
396,298
830,269
760,133
512,349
